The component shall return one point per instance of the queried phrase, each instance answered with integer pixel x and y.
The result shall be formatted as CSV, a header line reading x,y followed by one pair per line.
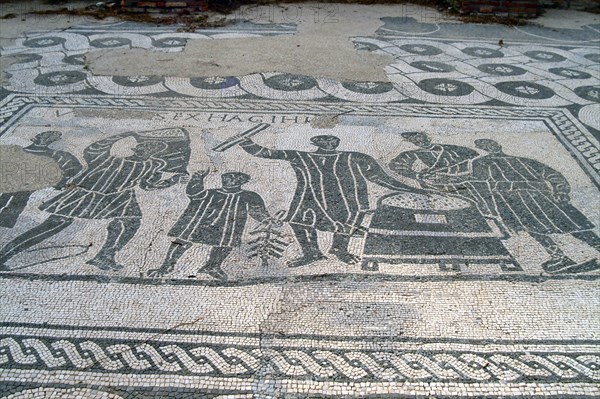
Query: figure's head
x,y
417,138
46,138
488,145
234,179
148,149
326,142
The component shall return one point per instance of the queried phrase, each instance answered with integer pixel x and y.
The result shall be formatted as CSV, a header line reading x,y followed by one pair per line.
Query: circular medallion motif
x,y
169,42
446,87
421,49
368,87
109,42
25,58
214,82
78,59
591,93
483,52
60,78
432,66
545,56
41,42
501,69
137,80
289,82
570,73
525,90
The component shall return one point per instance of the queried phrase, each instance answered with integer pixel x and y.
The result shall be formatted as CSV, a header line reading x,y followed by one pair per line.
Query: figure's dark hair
x,y
323,136
48,132
240,174
479,142
407,135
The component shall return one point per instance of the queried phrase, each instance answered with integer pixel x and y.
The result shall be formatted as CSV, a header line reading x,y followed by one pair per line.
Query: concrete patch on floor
x,y
324,122
322,46
21,170
302,55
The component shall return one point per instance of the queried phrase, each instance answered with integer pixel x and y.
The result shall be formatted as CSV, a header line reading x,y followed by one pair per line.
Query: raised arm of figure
x,y
196,185
375,173
263,152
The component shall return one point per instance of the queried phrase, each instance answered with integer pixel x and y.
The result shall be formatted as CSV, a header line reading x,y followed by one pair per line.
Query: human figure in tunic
x,y
12,204
104,190
331,194
215,217
429,157
525,196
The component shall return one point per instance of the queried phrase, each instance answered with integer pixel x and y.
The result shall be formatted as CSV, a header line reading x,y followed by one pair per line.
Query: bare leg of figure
x,y
51,226
339,248
176,251
559,262
307,238
120,231
215,260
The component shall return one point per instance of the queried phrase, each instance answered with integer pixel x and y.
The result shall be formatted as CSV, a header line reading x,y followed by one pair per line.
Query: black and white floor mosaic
x,y
284,236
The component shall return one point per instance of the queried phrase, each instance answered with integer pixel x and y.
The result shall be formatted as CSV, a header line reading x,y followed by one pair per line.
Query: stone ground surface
x,y
314,201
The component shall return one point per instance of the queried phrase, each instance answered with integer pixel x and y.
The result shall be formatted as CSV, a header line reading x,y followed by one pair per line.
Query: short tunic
x,y
217,217
106,188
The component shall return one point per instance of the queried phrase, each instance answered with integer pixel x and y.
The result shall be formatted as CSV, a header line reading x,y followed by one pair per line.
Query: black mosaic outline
x,y
358,277
266,335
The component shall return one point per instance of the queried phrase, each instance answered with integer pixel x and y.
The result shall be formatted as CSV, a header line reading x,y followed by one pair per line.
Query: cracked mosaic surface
x,y
276,235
